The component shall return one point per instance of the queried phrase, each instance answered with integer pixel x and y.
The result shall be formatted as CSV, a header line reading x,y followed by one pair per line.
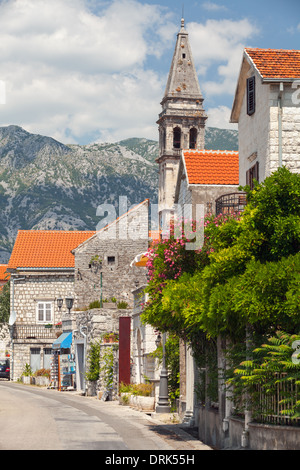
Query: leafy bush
x,y
93,362
42,373
94,304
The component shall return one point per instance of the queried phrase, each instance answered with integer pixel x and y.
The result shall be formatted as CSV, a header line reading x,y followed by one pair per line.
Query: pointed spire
x,y
183,81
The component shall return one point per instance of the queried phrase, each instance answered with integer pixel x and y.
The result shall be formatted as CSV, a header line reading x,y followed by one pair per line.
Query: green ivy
x,y
94,361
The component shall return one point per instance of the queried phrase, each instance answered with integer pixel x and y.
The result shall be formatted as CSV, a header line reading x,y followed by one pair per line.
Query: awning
x,y
140,260
64,341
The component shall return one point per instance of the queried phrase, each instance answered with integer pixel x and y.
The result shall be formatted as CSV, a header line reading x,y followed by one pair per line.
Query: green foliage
x,y
93,361
107,367
27,372
272,370
250,277
5,303
94,304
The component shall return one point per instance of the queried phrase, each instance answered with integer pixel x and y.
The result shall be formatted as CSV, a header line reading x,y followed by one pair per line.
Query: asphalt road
x,y
33,418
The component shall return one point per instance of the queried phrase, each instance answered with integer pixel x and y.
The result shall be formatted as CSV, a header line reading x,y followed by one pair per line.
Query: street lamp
x,y
163,398
69,303
59,302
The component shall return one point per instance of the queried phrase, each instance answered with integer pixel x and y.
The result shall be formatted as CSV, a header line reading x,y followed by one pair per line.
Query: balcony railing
x,y
230,203
35,332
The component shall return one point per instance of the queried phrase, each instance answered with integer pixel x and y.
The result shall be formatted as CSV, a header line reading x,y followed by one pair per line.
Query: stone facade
x,y
103,271
181,122
115,251
271,135
32,341
199,194
90,326
144,365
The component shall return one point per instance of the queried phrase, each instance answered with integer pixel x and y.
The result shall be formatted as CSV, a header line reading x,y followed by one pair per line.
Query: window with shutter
x,y
250,95
252,174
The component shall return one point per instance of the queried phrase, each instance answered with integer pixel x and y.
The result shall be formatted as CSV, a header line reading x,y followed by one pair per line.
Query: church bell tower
x,y
181,122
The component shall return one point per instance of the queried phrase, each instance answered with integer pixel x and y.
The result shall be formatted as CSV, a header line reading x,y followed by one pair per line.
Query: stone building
x,y
102,262
104,273
203,177
181,122
267,109
41,267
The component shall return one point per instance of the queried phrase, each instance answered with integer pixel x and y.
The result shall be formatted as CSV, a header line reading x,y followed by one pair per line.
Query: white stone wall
x,y
259,133
118,279
254,133
39,287
27,293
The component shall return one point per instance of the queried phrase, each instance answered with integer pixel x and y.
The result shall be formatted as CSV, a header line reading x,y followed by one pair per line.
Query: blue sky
x,y
88,70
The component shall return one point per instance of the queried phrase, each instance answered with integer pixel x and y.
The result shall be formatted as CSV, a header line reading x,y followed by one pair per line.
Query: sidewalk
x,y
165,425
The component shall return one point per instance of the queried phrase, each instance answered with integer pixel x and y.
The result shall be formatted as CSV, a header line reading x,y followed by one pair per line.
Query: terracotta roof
x,y
212,166
275,63
4,276
46,248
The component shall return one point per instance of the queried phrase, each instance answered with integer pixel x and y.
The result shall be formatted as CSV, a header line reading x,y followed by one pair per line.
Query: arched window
x,y
193,138
177,138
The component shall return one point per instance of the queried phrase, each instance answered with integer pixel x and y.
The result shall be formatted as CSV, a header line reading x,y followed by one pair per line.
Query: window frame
x,y
45,319
193,136
251,174
251,95
177,137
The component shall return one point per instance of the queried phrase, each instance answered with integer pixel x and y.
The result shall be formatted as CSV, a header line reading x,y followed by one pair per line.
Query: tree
x,y
5,303
247,273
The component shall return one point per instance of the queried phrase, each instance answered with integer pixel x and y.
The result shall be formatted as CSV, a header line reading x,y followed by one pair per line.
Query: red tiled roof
x,y
4,276
212,166
276,63
46,248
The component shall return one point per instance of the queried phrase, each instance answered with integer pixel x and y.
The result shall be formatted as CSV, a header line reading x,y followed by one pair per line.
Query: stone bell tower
x,y
181,122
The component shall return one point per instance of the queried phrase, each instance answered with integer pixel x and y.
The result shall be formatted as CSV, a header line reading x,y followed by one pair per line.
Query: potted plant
x,y
110,337
27,373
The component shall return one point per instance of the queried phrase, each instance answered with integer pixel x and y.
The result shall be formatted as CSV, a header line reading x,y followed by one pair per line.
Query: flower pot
x,y
133,401
124,399
91,388
110,339
145,403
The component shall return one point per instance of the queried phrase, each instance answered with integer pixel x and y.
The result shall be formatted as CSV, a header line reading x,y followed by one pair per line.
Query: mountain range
x,y
47,185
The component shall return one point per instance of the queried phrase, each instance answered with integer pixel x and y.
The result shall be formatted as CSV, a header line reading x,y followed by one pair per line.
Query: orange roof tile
x,y
275,63
212,166
4,276
46,248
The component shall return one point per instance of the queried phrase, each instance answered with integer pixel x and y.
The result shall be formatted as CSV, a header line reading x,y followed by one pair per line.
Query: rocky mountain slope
x,y
45,184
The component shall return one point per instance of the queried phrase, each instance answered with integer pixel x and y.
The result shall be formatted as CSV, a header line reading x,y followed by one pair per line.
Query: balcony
x,y
231,203
35,332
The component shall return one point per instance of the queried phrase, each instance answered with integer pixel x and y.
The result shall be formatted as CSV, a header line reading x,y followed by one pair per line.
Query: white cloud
x,y
210,6
219,43
219,117
69,72
77,70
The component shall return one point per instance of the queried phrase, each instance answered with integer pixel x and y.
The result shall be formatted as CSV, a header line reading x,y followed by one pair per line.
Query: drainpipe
x,y
84,354
280,124
11,323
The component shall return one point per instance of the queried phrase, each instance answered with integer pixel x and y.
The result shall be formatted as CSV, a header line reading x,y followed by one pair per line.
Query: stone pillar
x,y
182,372
189,417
